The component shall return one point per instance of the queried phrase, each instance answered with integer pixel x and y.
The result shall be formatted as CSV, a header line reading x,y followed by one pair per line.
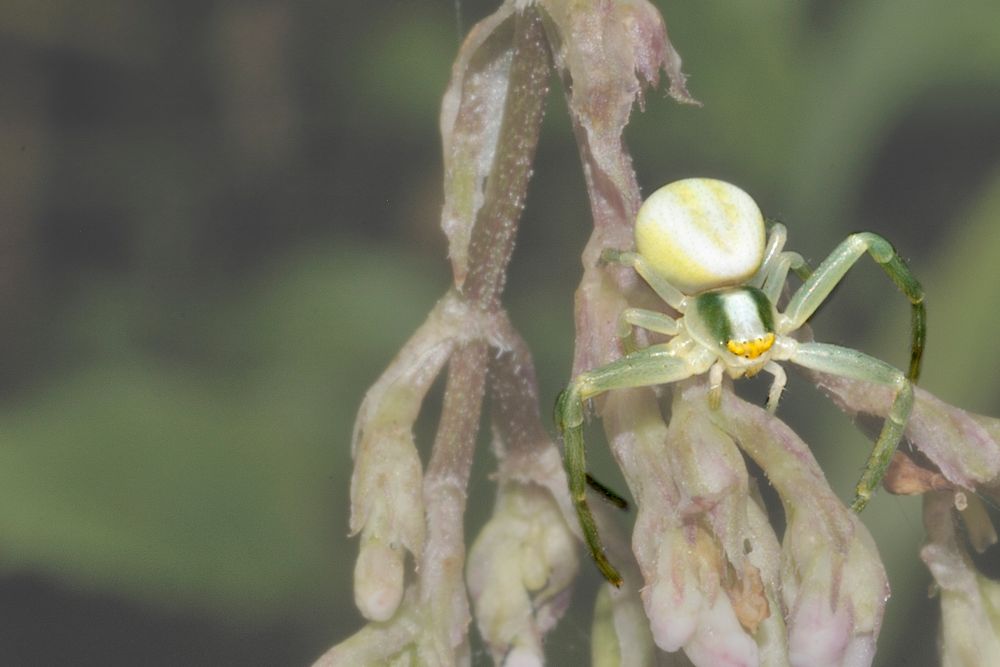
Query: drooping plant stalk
x,y
490,247
490,122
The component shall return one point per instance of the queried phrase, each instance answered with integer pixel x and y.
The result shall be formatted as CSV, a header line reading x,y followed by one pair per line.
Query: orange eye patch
x,y
751,349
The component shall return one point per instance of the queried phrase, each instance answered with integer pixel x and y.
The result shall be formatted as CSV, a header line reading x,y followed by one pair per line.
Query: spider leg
x,y
857,365
609,495
663,288
650,320
647,319
648,367
817,288
774,281
715,385
773,271
775,242
777,387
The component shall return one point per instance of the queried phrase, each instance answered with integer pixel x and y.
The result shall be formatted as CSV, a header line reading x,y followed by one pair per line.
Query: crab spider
x,y
701,245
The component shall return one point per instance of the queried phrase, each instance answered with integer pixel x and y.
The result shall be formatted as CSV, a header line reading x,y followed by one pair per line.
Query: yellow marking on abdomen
x,y
751,349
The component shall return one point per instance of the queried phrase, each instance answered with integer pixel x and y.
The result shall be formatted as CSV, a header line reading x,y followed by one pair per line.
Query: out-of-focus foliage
x,y
204,472
219,220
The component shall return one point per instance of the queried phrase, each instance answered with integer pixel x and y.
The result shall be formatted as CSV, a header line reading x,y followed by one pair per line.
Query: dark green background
x,y
219,221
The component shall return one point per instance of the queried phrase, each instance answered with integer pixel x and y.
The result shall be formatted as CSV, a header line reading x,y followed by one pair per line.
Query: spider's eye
x,y
700,233
751,349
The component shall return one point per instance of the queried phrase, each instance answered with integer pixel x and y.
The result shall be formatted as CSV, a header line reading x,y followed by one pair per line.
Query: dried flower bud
x,y
905,478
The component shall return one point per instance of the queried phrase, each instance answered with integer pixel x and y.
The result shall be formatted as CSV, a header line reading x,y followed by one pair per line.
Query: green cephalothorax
x,y
738,319
700,244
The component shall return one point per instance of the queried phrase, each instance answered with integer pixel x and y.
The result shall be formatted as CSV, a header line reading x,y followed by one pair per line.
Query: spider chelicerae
x,y
701,245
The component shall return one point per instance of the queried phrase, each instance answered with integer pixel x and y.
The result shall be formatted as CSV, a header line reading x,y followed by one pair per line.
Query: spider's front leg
x,y
859,366
650,320
817,288
651,366
773,271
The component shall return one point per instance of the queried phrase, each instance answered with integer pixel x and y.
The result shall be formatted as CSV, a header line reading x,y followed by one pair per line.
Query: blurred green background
x,y
219,221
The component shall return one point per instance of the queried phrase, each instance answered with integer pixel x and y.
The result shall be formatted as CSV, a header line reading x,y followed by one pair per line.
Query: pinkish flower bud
x,y
834,585
688,607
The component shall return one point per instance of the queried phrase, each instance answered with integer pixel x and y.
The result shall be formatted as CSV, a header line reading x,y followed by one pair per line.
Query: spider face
x,y
738,320
700,244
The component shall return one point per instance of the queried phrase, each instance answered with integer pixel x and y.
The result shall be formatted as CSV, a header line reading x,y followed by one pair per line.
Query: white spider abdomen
x,y
701,233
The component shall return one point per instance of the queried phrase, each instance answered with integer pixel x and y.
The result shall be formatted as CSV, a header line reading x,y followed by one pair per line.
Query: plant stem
x,y
491,245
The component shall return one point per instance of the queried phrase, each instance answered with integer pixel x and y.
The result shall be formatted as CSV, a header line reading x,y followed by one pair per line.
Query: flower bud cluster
x,y
519,572
718,584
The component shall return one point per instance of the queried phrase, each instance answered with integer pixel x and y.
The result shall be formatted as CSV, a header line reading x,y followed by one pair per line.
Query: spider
x,y
702,247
